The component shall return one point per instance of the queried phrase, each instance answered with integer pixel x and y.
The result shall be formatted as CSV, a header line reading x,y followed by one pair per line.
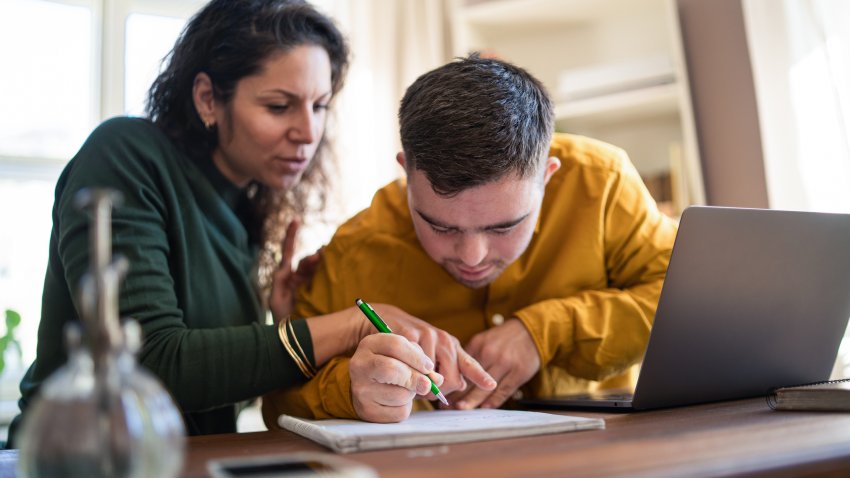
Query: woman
x,y
233,144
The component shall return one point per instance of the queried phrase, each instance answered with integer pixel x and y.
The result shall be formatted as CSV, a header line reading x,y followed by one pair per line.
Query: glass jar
x,y
111,419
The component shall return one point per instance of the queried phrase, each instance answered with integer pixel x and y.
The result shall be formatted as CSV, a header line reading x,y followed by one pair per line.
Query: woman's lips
x,y
293,164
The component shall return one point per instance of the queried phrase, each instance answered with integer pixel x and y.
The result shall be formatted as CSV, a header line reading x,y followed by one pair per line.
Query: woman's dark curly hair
x,y
230,40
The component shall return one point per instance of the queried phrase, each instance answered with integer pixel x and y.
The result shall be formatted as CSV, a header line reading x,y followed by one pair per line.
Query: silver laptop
x,y
753,299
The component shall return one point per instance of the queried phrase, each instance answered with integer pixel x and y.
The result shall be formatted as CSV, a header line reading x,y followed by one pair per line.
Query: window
x,y
48,102
74,63
149,38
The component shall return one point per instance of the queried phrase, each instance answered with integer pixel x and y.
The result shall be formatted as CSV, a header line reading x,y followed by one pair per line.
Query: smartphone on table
x,y
289,465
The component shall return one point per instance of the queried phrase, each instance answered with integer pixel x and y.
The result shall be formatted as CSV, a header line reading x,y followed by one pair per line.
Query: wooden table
x,y
742,438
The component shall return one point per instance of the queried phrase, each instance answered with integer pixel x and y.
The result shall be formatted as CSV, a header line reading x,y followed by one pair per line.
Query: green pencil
x,y
382,327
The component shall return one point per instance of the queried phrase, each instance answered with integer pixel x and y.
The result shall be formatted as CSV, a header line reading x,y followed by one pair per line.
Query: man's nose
x,y
472,249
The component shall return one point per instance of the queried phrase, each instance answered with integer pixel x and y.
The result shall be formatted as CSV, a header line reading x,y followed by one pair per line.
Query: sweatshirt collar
x,y
226,189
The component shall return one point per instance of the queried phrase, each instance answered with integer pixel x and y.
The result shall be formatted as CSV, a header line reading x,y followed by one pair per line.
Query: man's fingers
x,y
397,361
476,395
383,387
507,387
380,402
473,347
399,327
424,339
436,378
478,398
389,371
397,374
428,343
472,370
386,410
391,396
472,399
401,349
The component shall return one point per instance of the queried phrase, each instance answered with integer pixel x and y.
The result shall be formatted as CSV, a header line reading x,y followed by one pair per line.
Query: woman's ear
x,y
204,99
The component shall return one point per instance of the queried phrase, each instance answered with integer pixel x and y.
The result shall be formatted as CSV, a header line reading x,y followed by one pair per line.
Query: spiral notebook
x,y
754,299
434,427
828,396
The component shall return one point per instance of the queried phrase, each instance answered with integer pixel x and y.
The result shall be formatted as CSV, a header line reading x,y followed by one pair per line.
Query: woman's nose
x,y
305,126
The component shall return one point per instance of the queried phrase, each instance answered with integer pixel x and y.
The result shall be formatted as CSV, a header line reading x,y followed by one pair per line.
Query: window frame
x,y
108,30
107,72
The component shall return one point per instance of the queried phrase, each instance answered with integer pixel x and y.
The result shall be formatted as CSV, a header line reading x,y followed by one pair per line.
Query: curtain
x,y
800,52
392,43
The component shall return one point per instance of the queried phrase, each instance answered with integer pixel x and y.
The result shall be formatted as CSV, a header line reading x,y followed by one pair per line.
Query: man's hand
x,y
387,371
285,281
451,361
508,353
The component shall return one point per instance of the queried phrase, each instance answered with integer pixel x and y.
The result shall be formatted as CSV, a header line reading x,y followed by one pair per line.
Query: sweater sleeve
x,y
597,333
208,361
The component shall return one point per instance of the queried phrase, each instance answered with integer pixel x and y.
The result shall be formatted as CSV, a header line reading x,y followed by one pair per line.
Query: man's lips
x,y
474,271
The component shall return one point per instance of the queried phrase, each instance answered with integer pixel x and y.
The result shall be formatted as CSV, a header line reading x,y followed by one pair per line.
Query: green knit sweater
x,y
192,277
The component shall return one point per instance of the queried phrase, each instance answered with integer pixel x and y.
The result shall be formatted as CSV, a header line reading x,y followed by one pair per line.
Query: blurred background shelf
x,y
623,106
584,52
511,13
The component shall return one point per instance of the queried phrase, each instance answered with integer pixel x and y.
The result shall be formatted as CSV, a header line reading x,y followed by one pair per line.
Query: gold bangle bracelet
x,y
284,339
300,350
302,361
301,366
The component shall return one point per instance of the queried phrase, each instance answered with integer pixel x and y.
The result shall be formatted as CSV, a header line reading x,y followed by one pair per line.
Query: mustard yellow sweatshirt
x,y
586,288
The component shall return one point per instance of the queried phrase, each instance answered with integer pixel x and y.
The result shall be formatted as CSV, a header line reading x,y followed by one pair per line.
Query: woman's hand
x,y
285,281
443,349
387,372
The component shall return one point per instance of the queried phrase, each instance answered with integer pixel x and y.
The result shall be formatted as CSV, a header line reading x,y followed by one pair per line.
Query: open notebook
x,y
434,427
754,299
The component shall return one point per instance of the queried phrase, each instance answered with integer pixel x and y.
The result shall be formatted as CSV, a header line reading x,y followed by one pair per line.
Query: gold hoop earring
x,y
208,124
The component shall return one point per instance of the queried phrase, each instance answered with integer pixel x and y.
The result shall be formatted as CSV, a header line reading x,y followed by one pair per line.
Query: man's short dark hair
x,y
474,121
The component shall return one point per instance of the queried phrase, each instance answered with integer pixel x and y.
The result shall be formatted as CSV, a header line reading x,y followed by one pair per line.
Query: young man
x,y
544,256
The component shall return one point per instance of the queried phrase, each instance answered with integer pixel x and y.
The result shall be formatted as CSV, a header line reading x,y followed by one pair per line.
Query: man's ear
x,y
552,165
204,99
401,160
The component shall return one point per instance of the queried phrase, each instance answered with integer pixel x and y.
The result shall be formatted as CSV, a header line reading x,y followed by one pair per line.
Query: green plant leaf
x,y
13,319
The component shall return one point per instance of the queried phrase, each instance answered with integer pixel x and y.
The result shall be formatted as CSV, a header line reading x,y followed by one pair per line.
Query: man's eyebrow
x,y
433,221
508,224
501,225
